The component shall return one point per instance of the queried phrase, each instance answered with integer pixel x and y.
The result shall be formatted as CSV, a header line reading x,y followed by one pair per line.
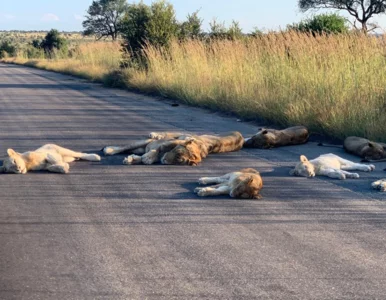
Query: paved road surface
x,y
109,231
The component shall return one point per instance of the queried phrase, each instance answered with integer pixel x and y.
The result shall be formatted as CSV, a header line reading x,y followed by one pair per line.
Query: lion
x,y
330,165
379,185
177,148
270,138
244,184
49,157
368,150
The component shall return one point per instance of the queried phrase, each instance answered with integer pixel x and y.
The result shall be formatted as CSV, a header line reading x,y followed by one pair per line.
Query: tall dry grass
x,y
332,84
93,60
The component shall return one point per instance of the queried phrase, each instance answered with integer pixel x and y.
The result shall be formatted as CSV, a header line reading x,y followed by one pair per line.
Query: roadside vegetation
x,y
319,73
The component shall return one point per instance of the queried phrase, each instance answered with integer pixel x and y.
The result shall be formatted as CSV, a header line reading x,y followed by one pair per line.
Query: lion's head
x,y
303,168
14,163
190,153
262,139
373,151
248,188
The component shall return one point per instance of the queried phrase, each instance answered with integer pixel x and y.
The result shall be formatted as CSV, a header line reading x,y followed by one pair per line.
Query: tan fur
x,y
270,138
245,184
177,148
379,185
370,151
330,165
49,157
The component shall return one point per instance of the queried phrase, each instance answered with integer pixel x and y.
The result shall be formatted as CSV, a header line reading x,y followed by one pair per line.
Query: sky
x,y
68,15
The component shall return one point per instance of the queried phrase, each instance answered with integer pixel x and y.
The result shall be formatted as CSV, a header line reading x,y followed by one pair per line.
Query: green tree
x,y
217,29
7,49
191,28
162,26
234,31
134,25
361,10
53,40
155,24
104,18
324,23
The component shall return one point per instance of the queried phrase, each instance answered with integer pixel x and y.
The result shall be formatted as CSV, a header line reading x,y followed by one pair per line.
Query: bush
x,y
324,23
7,49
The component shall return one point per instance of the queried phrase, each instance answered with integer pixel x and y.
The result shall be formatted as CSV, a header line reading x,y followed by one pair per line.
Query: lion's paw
x,y
128,160
370,168
66,168
354,175
197,189
202,181
155,136
379,185
202,192
110,150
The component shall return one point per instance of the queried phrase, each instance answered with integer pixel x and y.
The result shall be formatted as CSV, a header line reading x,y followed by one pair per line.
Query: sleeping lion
x,y
245,184
368,150
270,138
171,148
49,157
330,165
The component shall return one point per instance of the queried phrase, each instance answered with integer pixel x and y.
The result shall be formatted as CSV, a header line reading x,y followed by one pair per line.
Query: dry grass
x,y
332,84
92,61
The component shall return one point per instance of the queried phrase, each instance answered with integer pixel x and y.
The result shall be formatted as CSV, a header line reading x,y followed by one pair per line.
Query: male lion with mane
x,y
49,157
175,148
244,184
271,138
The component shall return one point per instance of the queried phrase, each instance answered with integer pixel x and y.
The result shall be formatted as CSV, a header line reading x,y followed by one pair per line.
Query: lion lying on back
x,y
270,138
177,148
330,165
368,150
49,157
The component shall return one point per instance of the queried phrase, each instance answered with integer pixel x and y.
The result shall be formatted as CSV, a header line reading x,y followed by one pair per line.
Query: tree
x,y
104,18
134,25
191,28
155,24
217,29
162,26
361,10
234,31
324,23
52,41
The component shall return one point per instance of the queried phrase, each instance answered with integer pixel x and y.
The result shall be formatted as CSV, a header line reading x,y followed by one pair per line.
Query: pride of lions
x,y
178,148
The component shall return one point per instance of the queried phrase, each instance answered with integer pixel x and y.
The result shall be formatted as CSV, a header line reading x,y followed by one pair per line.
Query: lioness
x,y
330,165
177,148
368,150
270,138
379,185
245,184
49,157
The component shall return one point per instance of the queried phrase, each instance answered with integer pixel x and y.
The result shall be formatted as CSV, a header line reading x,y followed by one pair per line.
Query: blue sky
x,y
68,15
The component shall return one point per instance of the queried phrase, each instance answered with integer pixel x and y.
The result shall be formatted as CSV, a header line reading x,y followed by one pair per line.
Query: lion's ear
x,y
303,158
371,145
11,152
248,180
265,132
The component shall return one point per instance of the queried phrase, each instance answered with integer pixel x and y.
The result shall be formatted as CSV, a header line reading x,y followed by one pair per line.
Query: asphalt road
x,y
110,231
